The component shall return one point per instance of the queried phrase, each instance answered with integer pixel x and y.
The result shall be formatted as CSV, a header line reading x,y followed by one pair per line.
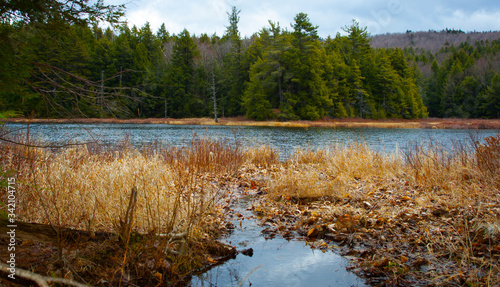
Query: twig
x,y
248,275
126,227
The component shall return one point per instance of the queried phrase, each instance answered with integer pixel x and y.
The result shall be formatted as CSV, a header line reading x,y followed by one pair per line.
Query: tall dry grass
x,y
333,172
467,172
263,156
87,189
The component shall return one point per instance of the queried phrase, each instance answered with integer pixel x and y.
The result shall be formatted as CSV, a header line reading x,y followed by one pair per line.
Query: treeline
x,y
460,81
59,69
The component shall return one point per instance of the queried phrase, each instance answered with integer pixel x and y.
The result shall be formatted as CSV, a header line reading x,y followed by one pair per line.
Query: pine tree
x,y
308,94
180,76
268,74
491,103
233,66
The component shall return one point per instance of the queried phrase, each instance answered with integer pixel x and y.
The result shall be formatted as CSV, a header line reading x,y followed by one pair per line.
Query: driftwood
x,y
42,281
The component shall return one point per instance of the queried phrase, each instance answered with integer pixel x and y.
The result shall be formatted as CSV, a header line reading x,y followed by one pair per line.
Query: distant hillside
x,y
432,40
458,73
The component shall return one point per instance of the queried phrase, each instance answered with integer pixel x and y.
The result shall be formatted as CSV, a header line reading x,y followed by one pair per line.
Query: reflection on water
x,y
287,140
275,262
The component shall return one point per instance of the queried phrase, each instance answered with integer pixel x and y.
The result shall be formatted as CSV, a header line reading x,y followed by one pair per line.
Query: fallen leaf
x,y
253,185
158,276
311,232
381,263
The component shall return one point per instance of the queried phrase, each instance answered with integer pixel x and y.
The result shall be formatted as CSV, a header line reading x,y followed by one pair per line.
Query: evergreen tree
x,y
180,77
491,103
268,75
234,78
308,94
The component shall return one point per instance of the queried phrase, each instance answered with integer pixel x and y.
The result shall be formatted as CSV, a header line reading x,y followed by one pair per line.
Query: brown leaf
x,y
313,232
158,276
381,263
405,198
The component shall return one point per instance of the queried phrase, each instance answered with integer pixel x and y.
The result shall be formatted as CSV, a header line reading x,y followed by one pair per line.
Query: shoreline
x,y
430,123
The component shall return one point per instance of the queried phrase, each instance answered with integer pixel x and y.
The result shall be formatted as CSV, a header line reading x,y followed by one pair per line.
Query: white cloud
x,y
379,16
477,20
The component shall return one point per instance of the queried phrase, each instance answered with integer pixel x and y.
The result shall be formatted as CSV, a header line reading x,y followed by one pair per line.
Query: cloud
x,y
380,16
473,21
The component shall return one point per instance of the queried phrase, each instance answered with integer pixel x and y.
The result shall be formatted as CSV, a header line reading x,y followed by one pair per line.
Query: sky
x,y
379,16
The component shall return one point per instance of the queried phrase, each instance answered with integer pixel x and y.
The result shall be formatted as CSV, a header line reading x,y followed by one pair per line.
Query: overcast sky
x,y
380,16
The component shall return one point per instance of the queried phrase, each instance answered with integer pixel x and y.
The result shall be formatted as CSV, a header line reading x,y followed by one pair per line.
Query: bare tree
x,y
211,58
53,83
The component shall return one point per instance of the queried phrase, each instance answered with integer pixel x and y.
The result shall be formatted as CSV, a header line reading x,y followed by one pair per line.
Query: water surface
x,y
275,262
285,139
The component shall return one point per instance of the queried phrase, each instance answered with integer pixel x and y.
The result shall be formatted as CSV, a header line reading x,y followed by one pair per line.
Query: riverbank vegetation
x,y
429,123
428,216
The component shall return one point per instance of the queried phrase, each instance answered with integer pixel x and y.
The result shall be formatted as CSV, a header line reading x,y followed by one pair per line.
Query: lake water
x,y
285,139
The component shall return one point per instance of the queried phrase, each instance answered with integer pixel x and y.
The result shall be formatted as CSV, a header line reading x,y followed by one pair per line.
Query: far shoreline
x,y
429,123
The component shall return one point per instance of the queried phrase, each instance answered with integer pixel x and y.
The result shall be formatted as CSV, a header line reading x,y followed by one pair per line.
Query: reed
x,y
466,172
333,172
263,156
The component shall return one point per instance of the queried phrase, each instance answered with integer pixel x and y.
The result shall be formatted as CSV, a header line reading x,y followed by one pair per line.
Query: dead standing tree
x,y
211,57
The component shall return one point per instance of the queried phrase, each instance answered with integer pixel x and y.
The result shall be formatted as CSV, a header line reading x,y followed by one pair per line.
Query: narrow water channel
x,y
274,262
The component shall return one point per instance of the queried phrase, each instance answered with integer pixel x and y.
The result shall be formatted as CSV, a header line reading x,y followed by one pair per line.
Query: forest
x,y
459,71
61,69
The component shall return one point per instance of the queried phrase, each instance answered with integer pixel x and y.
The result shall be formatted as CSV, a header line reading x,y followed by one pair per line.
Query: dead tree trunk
x,y
214,97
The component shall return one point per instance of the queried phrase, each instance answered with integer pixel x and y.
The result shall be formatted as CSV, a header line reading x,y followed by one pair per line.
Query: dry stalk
x,y
126,224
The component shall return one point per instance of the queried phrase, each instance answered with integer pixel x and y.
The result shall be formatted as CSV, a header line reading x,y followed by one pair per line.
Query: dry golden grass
x,y
464,172
89,188
78,188
332,172
263,156
430,206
